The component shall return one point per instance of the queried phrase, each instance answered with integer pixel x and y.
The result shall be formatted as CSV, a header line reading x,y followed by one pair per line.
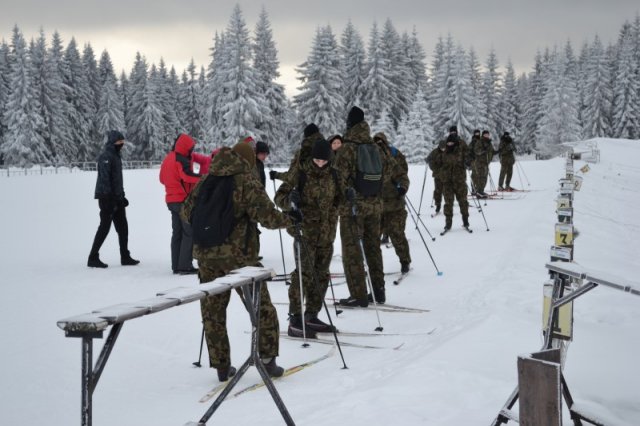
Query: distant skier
x,y
110,195
434,161
455,159
506,150
481,153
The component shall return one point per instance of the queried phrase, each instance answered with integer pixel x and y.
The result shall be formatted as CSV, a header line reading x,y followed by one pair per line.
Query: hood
x,y
184,145
113,136
359,133
382,137
228,163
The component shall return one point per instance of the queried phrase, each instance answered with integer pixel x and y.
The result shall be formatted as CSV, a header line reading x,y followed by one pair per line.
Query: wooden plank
x,y
540,392
156,304
183,294
121,312
83,323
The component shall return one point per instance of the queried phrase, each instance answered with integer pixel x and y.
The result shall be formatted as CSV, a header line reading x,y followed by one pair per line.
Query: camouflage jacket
x,y
251,204
481,149
455,163
434,160
346,164
399,178
320,194
506,149
300,155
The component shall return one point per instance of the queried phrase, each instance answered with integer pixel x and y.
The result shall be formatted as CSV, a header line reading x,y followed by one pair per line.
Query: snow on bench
x,y
574,270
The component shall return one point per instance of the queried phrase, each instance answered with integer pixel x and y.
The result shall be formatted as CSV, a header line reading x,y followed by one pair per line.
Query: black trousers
x,y
181,240
111,211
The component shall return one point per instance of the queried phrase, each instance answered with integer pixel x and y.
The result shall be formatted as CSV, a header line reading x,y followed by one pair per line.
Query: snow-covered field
x,y
486,310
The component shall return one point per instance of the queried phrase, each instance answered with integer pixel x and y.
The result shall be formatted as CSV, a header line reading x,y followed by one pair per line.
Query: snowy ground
x,y
485,309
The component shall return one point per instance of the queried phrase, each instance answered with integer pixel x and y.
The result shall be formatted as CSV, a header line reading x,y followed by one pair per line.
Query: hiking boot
x,y
225,372
438,209
385,239
189,271
509,189
273,369
352,301
380,297
500,188
404,267
313,323
295,328
95,262
482,194
465,221
128,261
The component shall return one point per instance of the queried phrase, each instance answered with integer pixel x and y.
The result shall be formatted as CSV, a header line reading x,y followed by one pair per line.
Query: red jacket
x,y
176,171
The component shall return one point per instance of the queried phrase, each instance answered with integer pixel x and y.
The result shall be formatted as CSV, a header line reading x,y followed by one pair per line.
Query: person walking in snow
x,y
455,160
235,168
112,202
481,153
506,151
313,188
394,212
178,178
434,161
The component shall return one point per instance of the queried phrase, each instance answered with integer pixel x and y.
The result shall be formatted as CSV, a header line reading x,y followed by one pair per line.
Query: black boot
x,y
273,369
352,301
295,328
404,267
95,262
465,221
128,261
314,323
380,296
385,239
225,372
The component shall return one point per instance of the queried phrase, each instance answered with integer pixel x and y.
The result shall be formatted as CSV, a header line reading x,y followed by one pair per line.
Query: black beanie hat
x,y
477,132
311,129
506,134
262,147
485,132
321,150
356,115
453,129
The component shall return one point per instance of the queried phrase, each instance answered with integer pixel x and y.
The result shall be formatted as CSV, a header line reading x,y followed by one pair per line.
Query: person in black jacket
x,y
262,151
110,195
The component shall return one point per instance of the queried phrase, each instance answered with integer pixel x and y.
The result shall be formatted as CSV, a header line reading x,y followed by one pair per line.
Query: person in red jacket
x,y
178,178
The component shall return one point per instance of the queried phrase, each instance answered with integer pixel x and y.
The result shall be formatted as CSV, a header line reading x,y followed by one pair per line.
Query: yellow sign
x,y
564,234
562,327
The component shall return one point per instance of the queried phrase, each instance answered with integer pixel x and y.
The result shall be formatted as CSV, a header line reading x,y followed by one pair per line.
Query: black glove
x,y
351,195
273,175
401,191
125,202
295,215
294,197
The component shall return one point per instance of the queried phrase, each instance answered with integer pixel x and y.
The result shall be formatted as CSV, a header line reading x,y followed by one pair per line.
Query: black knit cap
x,y
477,132
356,115
114,136
262,147
453,129
506,134
485,132
321,150
311,129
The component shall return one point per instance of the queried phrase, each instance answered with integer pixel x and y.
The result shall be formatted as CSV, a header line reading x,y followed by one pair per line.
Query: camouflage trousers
x,y
455,190
506,170
393,224
367,226
479,174
315,276
438,190
214,319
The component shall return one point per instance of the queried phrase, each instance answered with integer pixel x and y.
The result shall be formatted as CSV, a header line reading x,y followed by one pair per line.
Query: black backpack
x,y
212,219
368,170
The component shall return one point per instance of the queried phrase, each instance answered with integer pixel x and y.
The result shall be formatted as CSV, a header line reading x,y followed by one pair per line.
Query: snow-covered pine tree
x,y
82,108
626,88
124,91
478,115
532,104
105,68
353,58
491,87
597,92
4,90
166,102
509,105
441,83
416,62
148,121
398,72
40,77
377,84
320,100
110,109
213,94
384,123
58,111
240,104
23,143
266,64
460,102
93,78
416,137
559,122
192,103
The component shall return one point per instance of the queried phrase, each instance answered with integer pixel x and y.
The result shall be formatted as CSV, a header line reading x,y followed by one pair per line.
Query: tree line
x,y
56,103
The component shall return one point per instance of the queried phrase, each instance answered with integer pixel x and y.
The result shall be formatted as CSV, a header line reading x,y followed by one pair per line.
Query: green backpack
x,y
369,170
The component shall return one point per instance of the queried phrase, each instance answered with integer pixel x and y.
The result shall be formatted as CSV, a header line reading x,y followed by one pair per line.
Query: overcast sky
x,y
181,30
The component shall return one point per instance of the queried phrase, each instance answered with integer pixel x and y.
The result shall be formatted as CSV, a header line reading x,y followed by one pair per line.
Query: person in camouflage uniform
x,y
313,187
434,161
366,224
336,143
311,134
481,153
394,212
250,205
454,161
506,150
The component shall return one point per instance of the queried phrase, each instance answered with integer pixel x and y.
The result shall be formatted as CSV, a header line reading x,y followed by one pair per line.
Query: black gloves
x,y
125,202
273,175
294,197
351,195
401,191
295,215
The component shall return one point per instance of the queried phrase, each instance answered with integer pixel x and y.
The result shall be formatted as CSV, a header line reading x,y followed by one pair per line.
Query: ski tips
x,y
379,329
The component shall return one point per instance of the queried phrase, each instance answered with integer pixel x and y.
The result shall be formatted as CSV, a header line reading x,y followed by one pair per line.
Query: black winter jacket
x,y
109,183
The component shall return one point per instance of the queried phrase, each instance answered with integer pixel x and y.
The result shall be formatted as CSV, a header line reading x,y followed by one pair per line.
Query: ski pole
x,y
197,363
299,257
284,268
475,193
523,173
424,181
338,311
407,200
422,237
475,198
